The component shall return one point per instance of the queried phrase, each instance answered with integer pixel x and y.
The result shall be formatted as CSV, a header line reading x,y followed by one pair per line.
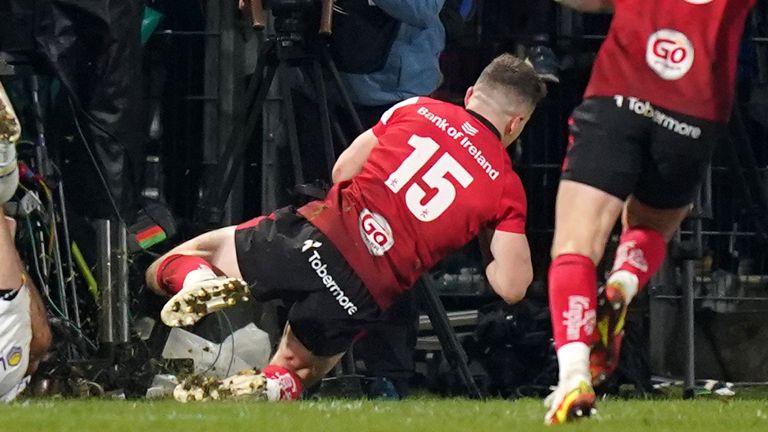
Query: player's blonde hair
x,y
511,84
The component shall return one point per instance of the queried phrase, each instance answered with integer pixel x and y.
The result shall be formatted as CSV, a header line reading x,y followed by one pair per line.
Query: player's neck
x,y
486,116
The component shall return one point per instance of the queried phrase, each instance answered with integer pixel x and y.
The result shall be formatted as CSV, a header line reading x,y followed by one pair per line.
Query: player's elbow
x,y
344,169
513,287
337,174
516,291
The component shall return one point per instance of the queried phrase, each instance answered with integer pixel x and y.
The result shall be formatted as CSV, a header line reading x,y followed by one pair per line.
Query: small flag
x,y
150,237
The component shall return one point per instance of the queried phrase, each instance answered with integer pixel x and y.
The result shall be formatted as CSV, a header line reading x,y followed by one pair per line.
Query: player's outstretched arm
x,y
510,272
351,161
589,5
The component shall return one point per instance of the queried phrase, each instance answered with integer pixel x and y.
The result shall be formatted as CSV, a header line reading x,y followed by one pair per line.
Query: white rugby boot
x,y
250,384
200,298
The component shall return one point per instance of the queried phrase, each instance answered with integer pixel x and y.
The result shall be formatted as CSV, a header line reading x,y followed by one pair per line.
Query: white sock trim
x,y
627,281
198,275
273,389
573,360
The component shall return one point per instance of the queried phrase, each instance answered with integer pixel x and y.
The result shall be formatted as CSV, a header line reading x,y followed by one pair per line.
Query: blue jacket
x,y
412,68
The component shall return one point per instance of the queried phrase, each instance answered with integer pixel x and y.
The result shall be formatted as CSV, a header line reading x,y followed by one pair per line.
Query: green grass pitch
x,y
441,415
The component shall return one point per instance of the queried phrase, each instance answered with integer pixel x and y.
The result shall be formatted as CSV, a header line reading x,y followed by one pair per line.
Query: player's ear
x,y
513,128
513,124
470,92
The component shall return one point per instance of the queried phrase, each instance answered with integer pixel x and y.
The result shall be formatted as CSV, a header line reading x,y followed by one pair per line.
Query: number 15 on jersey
x,y
435,177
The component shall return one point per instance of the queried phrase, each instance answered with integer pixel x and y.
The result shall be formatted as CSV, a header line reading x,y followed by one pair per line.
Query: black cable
x,y
213,363
44,284
218,353
212,366
232,336
77,106
96,165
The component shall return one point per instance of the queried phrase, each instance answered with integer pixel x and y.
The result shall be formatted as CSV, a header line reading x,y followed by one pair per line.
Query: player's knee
x,y
593,249
664,221
150,277
294,359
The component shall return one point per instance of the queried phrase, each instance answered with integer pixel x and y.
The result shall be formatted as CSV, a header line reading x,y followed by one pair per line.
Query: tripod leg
x,y
258,82
453,350
293,139
349,107
222,177
339,134
325,116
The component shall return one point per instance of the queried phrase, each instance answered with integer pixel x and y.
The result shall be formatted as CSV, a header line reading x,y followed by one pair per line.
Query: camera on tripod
x,y
279,7
291,46
290,15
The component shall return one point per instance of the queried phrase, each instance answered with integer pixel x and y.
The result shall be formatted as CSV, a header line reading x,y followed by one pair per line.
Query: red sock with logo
x,y
282,383
641,251
572,299
173,271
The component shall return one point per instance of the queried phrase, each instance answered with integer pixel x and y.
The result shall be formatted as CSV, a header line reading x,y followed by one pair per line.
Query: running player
x,y
661,89
424,181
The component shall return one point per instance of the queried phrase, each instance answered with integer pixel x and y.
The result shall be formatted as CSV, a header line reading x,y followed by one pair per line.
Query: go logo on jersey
x,y
669,53
376,232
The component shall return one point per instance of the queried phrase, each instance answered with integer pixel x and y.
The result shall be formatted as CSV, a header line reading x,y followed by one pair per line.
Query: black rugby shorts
x,y
624,146
284,256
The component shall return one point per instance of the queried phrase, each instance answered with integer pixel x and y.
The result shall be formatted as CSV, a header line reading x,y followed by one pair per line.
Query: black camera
x,y
295,20
287,6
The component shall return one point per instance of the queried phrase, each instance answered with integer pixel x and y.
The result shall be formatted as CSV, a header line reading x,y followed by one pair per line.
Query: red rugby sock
x,y
173,271
641,252
282,383
572,299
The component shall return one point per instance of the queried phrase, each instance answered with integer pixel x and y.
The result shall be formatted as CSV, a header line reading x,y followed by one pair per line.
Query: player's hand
x,y
241,4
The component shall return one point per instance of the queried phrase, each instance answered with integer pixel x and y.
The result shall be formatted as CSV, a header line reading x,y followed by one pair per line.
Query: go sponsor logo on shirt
x,y
376,232
669,53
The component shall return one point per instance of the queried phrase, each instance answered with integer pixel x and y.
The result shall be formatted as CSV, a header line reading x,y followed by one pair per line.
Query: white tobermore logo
x,y
310,244
321,269
669,53
376,232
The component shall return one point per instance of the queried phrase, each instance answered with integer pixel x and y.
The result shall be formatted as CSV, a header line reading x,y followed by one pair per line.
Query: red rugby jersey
x,y
437,176
677,54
